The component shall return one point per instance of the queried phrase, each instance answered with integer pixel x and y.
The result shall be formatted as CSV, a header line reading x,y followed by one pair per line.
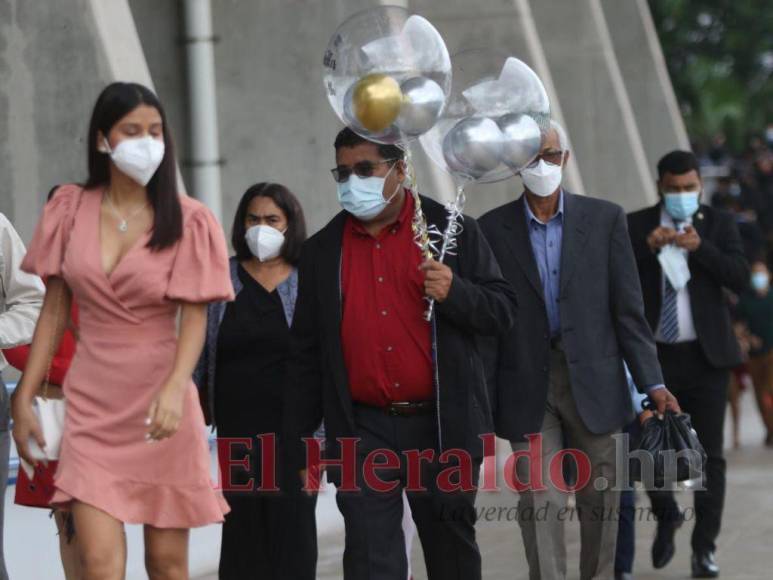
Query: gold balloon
x,y
377,99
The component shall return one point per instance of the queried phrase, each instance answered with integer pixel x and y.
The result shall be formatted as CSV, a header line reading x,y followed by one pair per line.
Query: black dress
x,y
267,534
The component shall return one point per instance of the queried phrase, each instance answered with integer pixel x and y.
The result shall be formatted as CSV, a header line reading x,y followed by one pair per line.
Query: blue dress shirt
x,y
636,396
545,241
546,244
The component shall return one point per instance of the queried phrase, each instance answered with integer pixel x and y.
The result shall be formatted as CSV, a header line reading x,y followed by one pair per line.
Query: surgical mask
x,y
673,262
138,157
363,197
760,281
264,242
543,179
682,206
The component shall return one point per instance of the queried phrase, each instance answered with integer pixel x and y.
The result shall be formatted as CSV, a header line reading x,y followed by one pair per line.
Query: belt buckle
x,y
397,408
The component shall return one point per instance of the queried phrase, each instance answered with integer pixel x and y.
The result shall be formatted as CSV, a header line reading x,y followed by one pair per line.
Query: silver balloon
x,y
473,147
423,101
521,139
494,86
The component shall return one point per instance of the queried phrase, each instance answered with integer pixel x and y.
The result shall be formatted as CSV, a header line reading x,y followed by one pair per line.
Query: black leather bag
x,y
674,449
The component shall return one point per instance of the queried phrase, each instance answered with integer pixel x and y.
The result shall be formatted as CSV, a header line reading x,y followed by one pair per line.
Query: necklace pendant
x,y
123,226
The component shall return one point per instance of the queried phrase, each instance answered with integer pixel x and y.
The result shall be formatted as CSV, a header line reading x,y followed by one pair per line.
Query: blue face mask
x,y
682,206
760,281
363,197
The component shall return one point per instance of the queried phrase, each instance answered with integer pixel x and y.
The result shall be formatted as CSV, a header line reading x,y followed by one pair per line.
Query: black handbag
x,y
669,450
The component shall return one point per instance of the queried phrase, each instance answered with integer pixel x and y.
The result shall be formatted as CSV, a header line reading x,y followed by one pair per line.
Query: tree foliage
x,y
720,57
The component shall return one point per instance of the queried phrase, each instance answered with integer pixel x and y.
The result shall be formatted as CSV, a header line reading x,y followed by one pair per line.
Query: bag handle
x,y
53,346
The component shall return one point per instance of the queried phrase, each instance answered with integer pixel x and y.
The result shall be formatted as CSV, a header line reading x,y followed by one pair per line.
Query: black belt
x,y
685,347
405,408
556,344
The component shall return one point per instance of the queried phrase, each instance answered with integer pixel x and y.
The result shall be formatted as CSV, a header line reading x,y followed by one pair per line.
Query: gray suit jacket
x,y
602,319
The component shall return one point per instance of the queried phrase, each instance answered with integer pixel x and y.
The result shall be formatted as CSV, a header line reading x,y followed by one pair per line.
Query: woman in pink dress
x,y
134,254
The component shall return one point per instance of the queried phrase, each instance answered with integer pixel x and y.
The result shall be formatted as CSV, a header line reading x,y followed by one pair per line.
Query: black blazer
x,y
480,302
602,319
718,262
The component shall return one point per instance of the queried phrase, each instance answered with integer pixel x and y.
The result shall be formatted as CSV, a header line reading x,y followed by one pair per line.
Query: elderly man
x,y
559,375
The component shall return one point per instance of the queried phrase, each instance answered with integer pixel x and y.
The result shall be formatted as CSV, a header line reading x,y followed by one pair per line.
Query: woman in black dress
x,y
242,375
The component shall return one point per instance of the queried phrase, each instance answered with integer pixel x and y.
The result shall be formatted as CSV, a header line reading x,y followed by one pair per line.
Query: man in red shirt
x,y
368,362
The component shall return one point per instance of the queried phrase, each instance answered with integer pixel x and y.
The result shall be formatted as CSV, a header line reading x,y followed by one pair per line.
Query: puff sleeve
x,y
45,252
200,272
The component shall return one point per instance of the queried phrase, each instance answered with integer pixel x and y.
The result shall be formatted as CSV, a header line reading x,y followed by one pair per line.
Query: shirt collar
x,y
530,217
405,215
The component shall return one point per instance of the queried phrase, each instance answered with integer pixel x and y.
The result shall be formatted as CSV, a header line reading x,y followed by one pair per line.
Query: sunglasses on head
x,y
364,169
549,157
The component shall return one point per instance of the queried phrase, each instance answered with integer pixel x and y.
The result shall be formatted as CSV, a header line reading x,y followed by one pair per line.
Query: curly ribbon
x,y
454,227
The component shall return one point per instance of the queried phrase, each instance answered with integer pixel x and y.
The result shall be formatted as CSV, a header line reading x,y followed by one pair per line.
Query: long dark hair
x,y
115,102
289,204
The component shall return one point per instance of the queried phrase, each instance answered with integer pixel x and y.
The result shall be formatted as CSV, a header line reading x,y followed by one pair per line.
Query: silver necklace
x,y
123,222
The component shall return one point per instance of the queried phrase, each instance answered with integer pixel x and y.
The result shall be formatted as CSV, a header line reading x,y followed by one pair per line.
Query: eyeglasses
x,y
549,157
342,173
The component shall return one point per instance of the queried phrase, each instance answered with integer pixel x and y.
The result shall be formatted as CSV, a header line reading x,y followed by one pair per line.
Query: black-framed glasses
x,y
549,157
364,169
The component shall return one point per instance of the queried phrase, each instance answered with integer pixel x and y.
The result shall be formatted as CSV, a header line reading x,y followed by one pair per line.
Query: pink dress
x,y
126,349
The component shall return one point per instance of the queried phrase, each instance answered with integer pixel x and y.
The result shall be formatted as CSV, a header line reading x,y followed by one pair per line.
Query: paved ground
x,y
745,546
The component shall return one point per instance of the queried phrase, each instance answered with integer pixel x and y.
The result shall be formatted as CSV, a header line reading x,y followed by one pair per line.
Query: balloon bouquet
x,y
388,76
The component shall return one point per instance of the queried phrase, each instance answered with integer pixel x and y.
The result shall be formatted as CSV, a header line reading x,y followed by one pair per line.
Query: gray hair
x,y
563,140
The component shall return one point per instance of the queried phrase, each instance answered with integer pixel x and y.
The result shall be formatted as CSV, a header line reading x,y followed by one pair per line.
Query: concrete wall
x,y
52,67
594,99
644,72
275,122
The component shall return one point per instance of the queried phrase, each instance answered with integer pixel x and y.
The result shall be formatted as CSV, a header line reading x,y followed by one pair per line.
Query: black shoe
x,y
704,565
663,548
623,576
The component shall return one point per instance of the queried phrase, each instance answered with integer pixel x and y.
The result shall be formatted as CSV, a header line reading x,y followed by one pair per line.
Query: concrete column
x,y
120,41
599,114
646,77
52,66
275,120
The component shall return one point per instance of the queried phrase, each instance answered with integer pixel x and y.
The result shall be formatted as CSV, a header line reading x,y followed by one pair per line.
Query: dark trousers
x,y
702,392
626,526
268,535
445,521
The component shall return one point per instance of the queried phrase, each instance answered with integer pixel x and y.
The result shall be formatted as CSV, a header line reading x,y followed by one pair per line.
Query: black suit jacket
x,y
718,262
602,319
480,302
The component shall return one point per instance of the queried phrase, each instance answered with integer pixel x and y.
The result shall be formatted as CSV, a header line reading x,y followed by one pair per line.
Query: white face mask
x,y
138,157
264,242
543,179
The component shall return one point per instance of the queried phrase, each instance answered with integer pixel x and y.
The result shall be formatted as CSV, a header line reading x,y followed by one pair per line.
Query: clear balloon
x,y
387,74
495,119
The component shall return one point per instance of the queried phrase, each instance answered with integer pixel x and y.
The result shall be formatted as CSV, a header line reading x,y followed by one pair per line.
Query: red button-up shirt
x,y
386,341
